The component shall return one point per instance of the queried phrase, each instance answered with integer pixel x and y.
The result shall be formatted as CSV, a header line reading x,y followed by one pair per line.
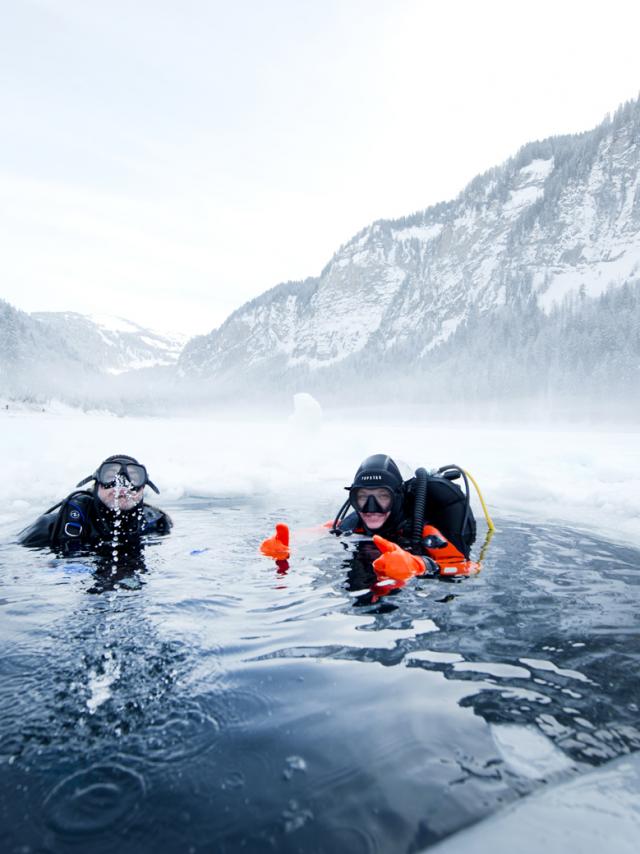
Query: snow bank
x,y
587,479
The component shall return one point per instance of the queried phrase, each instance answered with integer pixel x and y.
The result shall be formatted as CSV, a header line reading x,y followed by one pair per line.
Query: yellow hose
x,y
490,524
485,545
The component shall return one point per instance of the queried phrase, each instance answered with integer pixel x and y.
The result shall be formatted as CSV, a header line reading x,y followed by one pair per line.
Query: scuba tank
x,y
434,499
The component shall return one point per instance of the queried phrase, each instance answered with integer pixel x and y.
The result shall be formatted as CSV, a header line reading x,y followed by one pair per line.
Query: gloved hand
x,y
277,547
395,562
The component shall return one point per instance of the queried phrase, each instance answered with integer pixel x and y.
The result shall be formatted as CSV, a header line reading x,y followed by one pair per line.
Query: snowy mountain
x,y
90,361
112,344
509,268
32,355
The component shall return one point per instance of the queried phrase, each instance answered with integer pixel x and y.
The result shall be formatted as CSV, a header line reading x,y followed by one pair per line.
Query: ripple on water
x,y
235,708
355,840
93,800
237,750
17,665
186,732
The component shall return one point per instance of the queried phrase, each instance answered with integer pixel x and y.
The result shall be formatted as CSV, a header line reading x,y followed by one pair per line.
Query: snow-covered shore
x,y
586,478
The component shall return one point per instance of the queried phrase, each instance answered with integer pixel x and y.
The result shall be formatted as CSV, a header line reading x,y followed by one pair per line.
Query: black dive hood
x,y
381,470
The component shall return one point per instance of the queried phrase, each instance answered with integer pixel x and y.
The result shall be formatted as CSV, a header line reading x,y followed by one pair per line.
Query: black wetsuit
x,y
82,522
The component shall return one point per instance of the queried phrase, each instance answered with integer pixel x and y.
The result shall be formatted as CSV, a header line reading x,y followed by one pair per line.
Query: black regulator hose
x,y
419,507
467,498
342,512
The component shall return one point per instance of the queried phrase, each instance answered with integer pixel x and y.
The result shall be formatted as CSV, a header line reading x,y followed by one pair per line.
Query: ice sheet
x,y
599,811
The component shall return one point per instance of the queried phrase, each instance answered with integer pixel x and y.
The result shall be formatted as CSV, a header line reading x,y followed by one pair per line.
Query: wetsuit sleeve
x,y
40,533
156,521
449,559
165,524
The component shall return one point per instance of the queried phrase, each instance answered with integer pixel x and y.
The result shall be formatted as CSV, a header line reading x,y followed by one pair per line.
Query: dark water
x,y
214,702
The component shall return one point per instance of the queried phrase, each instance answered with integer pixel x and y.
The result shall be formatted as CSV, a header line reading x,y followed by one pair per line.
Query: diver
x,y
423,525
112,516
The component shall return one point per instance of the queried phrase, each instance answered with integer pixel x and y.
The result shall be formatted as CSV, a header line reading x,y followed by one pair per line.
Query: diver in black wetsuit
x,y
424,524
111,517
427,519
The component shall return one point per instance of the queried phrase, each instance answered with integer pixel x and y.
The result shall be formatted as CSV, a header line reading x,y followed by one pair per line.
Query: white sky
x,y
166,160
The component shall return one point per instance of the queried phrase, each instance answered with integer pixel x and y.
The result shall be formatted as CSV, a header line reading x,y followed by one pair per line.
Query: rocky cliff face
x,y
562,217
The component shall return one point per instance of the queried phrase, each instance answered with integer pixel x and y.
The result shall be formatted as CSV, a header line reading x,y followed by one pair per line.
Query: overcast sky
x,y
166,160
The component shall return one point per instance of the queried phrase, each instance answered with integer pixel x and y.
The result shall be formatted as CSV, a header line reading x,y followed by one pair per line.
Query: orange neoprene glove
x,y
277,547
395,562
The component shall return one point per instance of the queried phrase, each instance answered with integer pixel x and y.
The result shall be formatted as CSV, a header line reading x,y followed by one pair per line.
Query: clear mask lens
x,y
112,474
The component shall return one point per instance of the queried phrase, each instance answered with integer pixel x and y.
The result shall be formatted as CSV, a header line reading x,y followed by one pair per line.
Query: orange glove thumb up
x,y
277,547
395,562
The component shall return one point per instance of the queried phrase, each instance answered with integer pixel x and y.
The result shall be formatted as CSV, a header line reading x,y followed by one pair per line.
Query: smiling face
x,y
374,505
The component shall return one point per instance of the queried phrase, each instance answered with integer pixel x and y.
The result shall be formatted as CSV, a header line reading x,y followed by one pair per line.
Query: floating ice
x,y
493,668
293,763
541,664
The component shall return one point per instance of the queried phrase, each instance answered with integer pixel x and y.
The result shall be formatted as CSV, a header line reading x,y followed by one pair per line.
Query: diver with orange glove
x,y
420,526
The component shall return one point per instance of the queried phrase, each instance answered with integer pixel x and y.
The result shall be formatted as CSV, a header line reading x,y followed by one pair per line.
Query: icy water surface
x,y
213,701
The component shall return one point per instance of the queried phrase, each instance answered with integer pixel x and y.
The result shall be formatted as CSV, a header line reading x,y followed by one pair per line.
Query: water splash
x,y
100,682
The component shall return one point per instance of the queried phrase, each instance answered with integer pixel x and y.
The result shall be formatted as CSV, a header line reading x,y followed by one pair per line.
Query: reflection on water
x,y
209,700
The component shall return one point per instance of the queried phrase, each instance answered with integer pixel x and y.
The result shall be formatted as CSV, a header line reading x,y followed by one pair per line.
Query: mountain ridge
x,y
460,300
113,344
561,215
80,358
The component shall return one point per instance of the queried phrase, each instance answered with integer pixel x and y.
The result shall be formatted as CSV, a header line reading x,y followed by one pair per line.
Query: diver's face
x,y
374,506
120,495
